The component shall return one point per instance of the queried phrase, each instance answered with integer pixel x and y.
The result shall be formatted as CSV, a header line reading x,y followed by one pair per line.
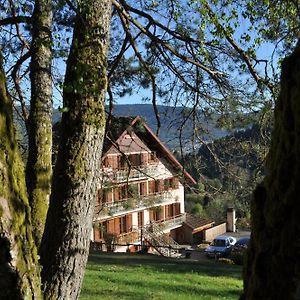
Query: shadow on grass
x,y
172,265
183,294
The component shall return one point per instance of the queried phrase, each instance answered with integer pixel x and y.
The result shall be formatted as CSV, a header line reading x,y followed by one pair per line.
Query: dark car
x,y
238,251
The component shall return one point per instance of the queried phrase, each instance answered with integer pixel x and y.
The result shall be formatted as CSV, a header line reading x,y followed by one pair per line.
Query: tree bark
x,y
19,271
66,239
272,268
39,164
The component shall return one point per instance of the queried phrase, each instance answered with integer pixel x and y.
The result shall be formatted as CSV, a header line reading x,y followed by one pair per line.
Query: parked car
x,y
220,247
239,249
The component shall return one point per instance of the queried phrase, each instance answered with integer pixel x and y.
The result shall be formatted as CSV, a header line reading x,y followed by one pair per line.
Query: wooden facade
x,y
140,185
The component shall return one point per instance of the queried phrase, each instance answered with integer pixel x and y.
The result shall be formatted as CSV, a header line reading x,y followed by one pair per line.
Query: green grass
x,y
134,276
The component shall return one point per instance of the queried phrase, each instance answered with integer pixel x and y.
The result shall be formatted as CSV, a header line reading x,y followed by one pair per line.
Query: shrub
x,y
225,261
237,256
110,241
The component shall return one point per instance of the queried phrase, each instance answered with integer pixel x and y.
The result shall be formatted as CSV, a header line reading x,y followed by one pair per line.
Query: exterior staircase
x,y
161,242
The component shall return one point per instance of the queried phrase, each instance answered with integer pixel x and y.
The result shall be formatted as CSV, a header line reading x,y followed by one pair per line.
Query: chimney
x,y
231,227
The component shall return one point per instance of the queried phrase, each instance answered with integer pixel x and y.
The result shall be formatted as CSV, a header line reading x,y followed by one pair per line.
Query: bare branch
x,y
16,80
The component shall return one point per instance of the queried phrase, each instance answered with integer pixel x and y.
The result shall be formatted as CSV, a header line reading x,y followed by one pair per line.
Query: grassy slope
x,y
124,276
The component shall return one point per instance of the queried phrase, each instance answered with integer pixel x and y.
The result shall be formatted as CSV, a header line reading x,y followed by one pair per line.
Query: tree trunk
x,y
66,239
19,271
272,268
39,164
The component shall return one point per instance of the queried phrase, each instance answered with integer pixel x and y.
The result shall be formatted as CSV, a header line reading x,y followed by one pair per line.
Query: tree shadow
x,y
174,265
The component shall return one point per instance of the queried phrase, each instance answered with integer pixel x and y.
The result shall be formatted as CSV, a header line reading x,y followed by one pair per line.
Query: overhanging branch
x,y
16,20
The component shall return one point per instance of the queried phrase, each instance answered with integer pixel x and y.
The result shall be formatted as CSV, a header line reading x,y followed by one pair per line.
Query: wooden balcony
x,y
132,204
156,228
134,173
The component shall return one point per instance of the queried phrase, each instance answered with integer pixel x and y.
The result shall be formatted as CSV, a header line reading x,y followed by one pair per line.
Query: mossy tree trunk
x,y
65,244
272,268
19,271
39,164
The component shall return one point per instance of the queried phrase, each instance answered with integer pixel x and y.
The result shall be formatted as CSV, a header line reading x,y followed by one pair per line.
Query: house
x,y
141,191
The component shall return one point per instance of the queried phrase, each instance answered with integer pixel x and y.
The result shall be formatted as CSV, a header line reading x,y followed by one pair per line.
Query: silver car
x,y
220,246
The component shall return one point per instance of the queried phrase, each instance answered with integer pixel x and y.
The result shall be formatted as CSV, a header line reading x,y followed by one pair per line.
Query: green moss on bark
x,y
15,217
65,244
39,163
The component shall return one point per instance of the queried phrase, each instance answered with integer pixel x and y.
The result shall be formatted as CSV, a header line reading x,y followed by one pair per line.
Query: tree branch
x,y
213,73
243,55
16,81
125,23
15,20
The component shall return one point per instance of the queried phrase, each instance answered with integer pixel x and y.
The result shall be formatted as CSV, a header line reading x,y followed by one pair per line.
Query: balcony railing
x,y
171,222
139,172
112,208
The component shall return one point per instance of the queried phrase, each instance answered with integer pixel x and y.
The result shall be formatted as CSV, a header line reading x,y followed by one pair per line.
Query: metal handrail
x,y
163,243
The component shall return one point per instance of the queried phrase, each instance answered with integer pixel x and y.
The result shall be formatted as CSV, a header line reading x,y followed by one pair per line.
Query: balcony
x,y
156,229
131,204
140,172
172,222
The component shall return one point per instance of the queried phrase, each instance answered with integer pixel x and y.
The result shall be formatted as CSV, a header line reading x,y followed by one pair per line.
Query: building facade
x,y
141,190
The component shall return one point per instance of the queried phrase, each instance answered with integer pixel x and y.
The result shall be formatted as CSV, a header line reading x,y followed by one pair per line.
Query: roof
x,y
196,223
117,127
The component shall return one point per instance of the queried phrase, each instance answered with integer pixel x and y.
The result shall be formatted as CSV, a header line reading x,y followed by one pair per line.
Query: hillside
x,y
227,170
172,119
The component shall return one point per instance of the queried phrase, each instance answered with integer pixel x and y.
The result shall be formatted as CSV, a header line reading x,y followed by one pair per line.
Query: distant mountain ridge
x,y
171,119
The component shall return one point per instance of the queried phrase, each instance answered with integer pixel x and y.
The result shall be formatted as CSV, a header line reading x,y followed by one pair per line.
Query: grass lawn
x,y
138,276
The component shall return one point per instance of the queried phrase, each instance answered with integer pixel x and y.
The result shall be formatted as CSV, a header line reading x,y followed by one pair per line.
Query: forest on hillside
x,y
227,170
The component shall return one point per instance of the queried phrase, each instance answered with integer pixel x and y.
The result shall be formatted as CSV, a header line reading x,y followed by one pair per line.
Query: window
x,y
143,189
141,218
102,229
105,195
123,225
167,184
151,186
170,183
123,190
135,159
175,183
152,157
122,162
157,186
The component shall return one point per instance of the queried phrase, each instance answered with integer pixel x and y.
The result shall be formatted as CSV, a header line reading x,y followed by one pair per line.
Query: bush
x,y
110,240
225,261
198,210
237,256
